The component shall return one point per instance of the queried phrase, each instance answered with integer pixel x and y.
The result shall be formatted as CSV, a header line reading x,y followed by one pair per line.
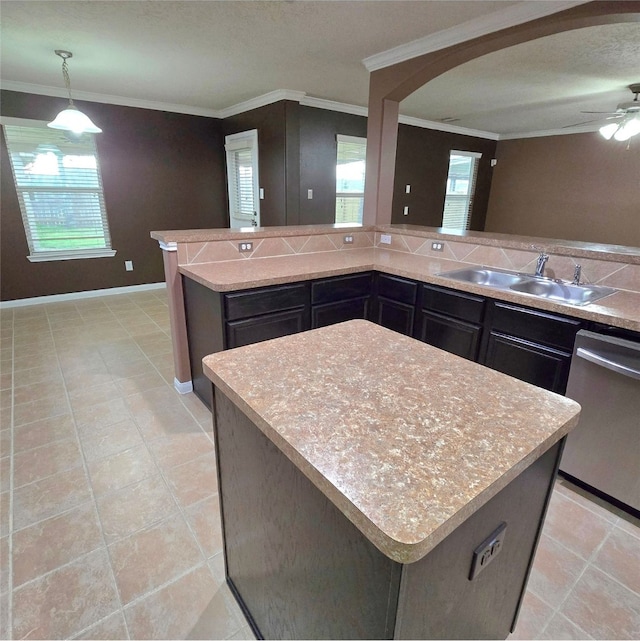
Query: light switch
x,y
261,193
407,189
310,194
406,210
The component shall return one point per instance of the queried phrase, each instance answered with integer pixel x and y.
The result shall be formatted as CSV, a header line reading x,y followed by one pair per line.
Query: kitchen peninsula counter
x,y
620,309
358,478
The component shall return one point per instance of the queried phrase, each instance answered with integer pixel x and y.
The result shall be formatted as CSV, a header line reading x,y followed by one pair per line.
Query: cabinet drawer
x,y
254,302
534,325
457,304
399,289
323,315
330,290
262,328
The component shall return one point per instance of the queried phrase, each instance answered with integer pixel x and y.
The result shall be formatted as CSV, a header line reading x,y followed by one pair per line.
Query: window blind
x,y
242,178
350,174
461,184
59,189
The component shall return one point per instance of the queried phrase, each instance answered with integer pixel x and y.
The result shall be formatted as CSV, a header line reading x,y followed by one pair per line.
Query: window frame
x,y
349,194
469,197
40,255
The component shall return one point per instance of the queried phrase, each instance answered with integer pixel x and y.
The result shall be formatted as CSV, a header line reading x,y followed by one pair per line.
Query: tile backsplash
x,y
601,272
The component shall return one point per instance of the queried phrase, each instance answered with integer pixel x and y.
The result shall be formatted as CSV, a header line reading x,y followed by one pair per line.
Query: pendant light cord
x,y
67,80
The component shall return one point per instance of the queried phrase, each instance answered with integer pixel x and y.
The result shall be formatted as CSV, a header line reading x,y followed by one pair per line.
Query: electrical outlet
x,y
310,194
128,265
487,551
347,240
245,247
385,239
437,247
407,189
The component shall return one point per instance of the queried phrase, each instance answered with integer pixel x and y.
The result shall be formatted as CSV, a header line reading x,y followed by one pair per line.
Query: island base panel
x,y
300,569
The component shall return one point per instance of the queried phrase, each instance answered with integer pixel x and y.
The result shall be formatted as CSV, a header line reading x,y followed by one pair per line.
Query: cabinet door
x,y
262,328
542,366
394,315
322,315
450,334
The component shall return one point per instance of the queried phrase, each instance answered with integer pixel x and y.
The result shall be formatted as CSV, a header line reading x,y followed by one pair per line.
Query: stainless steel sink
x,y
500,278
506,280
563,292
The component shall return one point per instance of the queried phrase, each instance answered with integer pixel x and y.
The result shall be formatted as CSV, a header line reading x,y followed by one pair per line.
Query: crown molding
x,y
443,126
88,96
587,129
276,96
332,105
261,101
508,17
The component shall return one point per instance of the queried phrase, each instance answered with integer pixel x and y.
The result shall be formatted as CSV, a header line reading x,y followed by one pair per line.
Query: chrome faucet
x,y
577,273
542,261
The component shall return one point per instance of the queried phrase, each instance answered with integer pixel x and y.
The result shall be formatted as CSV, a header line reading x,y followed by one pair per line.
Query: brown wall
x,y
318,148
271,123
160,171
575,187
422,161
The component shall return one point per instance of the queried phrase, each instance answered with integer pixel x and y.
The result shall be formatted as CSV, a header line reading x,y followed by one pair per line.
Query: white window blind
x,y
59,189
350,172
461,184
242,175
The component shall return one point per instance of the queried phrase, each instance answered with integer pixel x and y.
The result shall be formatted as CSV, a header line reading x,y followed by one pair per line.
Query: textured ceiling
x,y
212,54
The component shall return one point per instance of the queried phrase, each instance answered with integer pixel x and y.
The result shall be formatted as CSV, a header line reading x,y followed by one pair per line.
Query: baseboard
x,y
93,293
183,388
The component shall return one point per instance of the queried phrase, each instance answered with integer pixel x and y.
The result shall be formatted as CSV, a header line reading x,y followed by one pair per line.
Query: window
x,y
59,188
350,169
242,178
461,185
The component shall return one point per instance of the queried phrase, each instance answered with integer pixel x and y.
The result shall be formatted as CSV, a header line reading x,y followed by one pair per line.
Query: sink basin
x,y
541,287
500,278
562,292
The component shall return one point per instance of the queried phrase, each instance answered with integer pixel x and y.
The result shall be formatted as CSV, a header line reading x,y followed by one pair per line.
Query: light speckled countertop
x,y
406,440
621,309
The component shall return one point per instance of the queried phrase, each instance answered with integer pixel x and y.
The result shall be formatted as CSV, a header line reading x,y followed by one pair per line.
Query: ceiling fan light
x,y
630,128
72,119
608,130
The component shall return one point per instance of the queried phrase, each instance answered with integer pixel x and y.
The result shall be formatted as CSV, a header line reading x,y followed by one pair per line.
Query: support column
x,y
181,363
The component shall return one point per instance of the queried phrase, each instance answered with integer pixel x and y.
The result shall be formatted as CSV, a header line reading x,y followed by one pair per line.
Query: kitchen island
x,y
372,486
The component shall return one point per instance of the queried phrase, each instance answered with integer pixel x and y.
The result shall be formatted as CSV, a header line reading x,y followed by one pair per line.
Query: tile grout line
x,y
575,582
93,498
11,465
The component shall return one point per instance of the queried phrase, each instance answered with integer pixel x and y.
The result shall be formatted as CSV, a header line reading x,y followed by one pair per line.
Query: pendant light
x,y
71,118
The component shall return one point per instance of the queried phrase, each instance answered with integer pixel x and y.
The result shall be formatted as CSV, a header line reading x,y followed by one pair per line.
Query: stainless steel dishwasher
x,y
604,449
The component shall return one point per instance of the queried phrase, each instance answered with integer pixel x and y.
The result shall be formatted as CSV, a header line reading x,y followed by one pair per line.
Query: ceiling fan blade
x,y
588,122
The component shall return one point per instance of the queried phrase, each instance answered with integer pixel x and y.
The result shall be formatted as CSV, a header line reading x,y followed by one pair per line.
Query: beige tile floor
x,y
109,524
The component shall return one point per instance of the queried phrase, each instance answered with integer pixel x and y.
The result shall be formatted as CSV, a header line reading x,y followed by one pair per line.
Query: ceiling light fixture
x,y
71,118
630,124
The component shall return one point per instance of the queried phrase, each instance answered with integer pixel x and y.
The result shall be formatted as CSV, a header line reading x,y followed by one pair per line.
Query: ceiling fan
x,y
626,118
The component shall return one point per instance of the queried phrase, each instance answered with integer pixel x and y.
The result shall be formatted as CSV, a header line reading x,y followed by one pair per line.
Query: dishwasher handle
x,y
597,359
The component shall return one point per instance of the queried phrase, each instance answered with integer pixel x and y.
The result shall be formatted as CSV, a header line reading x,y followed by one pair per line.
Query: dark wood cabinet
x,y
394,303
256,315
450,320
341,298
263,328
529,344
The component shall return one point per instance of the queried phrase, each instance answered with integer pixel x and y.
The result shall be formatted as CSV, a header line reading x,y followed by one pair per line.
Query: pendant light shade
x,y
71,118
